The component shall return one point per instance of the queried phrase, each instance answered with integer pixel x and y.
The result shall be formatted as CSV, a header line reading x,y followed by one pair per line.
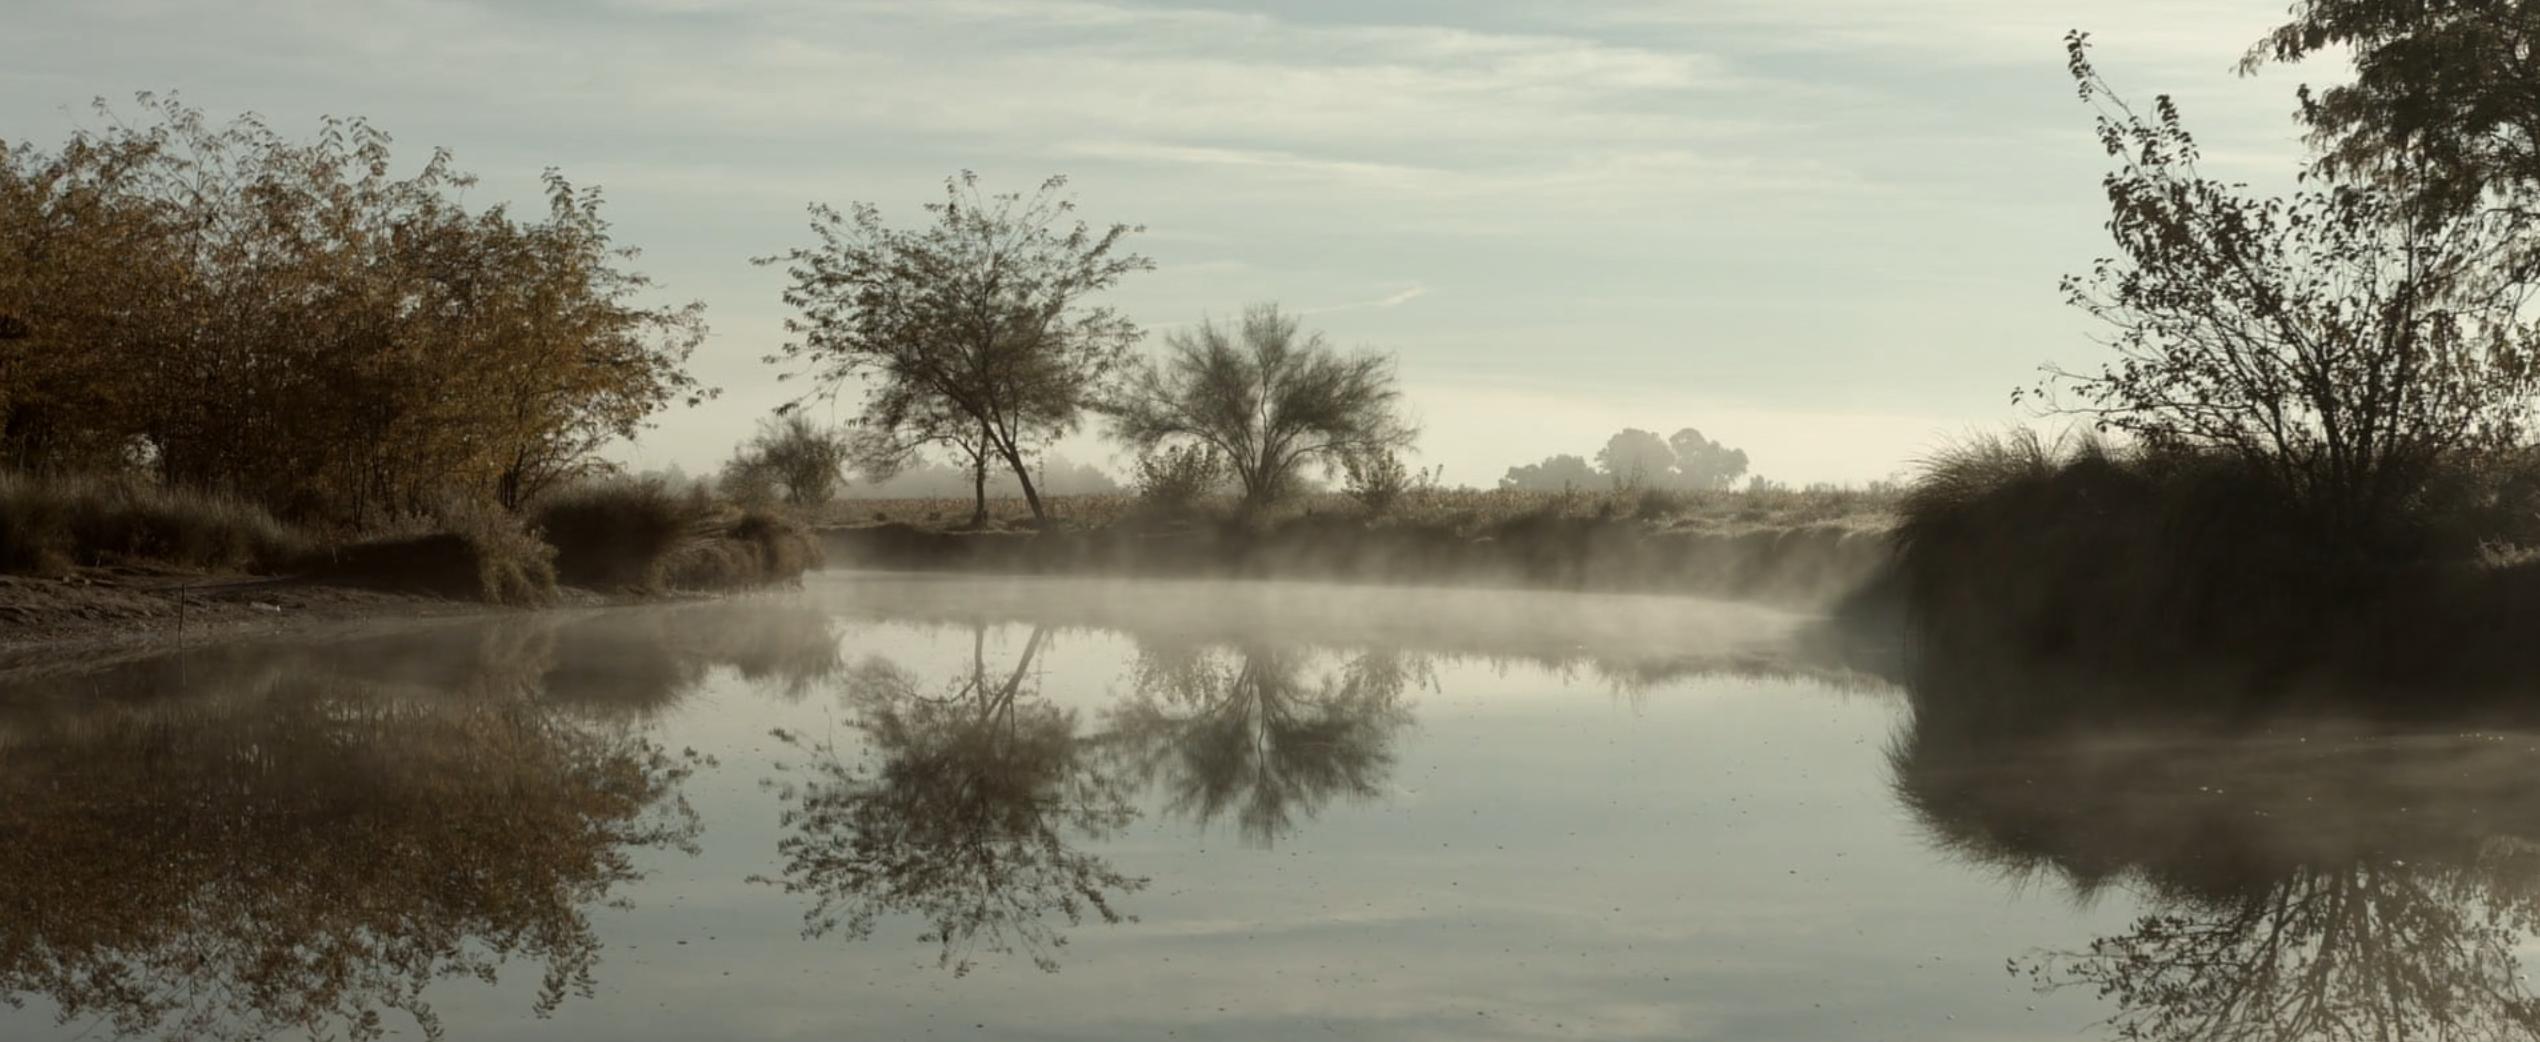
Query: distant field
x,y
1467,511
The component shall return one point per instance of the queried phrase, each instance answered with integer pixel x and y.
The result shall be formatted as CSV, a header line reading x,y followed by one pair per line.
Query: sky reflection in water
x,y
898,807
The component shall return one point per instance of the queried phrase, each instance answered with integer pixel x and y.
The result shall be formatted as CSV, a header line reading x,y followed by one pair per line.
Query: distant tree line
x,y
1637,459
229,309
1052,474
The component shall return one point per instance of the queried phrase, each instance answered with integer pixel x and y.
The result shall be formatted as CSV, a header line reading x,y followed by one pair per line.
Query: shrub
x,y
1378,481
1172,481
754,548
467,551
791,454
1658,504
2126,557
617,534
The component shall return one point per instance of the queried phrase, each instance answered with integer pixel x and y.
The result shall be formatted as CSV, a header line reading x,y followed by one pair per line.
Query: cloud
x,y
1628,175
1390,300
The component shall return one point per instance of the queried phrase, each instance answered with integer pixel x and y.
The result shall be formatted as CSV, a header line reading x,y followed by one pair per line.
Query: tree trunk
x,y
1013,457
979,487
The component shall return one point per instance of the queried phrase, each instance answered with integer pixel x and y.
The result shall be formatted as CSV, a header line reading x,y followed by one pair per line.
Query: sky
x,y
1826,231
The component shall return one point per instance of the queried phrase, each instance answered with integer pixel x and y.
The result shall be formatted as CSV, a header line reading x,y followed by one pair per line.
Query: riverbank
x,y
1804,549
107,562
96,613
2195,581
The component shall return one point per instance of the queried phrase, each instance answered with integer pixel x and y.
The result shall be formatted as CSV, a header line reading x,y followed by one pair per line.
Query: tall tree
x,y
983,312
287,320
2445,101
1266,396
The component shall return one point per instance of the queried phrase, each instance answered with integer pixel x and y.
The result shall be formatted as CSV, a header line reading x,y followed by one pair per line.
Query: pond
x,y
899,807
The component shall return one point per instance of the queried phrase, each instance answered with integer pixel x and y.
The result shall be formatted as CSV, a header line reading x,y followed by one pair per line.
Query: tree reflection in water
x,y
968,804
967,817
2299,883
1245,730
239,845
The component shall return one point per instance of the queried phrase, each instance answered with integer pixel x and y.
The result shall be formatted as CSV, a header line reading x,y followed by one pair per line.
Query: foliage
x,y
2440,107
1563,473
1702,463
1054,475
232,309
2338,343
511,565
747,480
51,524
1265,400
1635,459
978,320
1463,511
790,453
754,547
1380,481
1173,480
616,534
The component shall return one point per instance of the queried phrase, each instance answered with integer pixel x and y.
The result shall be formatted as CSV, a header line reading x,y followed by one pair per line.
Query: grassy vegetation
x,y
2131,562
1465,512
49,527
1799,546
616,535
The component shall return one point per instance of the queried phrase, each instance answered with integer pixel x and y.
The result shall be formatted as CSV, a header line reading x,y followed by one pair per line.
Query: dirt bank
x,y
121,611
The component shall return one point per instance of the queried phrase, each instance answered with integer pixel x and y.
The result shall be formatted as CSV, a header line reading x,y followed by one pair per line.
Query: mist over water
x,y
912,806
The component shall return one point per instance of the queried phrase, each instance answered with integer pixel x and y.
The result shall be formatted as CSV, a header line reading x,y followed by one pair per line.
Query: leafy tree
x,y
789,451
2334,339
1265,398
886,449
287,320
981,314
1635,458
2441,105
1555,474
1705,464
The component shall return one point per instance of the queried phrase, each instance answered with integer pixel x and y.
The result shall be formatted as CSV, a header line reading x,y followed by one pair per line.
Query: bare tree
x,y
982,313
1265,398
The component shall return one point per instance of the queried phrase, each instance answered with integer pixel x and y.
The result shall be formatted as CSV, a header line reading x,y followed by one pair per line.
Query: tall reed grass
x,y
49,526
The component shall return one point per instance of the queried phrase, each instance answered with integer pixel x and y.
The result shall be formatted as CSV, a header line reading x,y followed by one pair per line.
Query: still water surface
x,y
897,807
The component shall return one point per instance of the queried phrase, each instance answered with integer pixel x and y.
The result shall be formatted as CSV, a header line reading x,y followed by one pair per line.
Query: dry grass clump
x,y
50,525
753,547
463,551
620,534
